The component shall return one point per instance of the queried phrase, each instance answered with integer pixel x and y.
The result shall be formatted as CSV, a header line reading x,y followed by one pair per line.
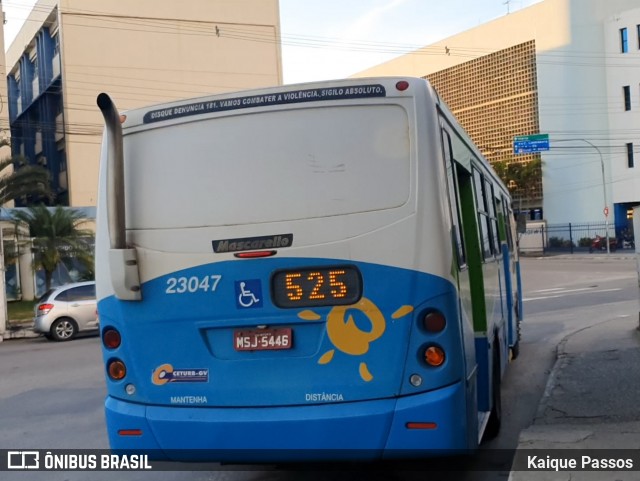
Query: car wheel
x,y
63,329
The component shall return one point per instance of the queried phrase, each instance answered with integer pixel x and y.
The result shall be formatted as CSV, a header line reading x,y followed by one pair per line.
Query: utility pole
x,y
605,210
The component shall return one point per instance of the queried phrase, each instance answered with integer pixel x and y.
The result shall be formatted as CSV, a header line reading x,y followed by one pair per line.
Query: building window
x,y
624,41
627,97
630,155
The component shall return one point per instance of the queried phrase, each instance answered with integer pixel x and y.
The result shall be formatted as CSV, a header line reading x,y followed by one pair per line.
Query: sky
x,y
324,39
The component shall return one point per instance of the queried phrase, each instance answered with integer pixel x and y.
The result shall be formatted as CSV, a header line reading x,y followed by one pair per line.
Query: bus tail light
x,y
111,338
117,370
434,322
434,356
130,432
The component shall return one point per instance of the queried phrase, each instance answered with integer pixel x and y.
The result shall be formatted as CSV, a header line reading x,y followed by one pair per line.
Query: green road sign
x,y
528,144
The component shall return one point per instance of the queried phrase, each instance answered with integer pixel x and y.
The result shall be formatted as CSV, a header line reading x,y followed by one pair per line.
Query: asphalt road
x,y
51,394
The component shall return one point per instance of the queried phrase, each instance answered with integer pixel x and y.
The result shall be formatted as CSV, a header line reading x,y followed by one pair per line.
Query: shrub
x,y
556,242
585,242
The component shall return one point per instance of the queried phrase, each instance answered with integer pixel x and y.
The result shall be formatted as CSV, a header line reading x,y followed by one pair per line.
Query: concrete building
x,y
566,68
140,53
5,151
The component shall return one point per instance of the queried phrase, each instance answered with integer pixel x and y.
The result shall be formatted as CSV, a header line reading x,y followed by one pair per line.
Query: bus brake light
x,y
434,322
111,338
254,255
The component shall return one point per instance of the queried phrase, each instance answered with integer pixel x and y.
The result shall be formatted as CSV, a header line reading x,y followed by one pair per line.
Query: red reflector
x,y
402,85
45,307
422,426
130,432
253,255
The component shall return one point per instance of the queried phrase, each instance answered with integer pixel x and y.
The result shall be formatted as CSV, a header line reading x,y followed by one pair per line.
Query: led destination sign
x,y
318,286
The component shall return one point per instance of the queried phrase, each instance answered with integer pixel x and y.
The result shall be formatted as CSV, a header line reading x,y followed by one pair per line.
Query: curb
x,y
19,333
581,257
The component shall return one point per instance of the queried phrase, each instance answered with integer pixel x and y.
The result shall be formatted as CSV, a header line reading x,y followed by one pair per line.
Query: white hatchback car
x,y
64,311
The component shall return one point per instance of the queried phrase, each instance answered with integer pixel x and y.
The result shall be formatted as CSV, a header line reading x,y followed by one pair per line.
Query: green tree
x,y
25,180
57,235
522,178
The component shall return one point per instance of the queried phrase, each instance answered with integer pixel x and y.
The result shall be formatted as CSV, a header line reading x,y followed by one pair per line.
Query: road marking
x,y
566,290
569,292
539,298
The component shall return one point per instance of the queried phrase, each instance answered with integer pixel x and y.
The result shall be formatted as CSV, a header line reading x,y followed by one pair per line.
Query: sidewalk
x,y
592,401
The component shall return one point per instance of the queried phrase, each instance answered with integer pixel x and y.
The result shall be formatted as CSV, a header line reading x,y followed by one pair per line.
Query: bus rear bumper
x,y
357,430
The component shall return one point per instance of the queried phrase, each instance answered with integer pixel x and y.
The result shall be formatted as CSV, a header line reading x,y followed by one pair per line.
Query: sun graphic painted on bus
x,y
347,337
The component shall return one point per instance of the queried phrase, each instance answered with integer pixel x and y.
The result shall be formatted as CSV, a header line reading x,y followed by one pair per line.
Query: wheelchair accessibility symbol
x,y
248,294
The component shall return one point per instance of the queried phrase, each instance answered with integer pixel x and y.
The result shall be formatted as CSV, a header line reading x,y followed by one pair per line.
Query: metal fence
x,y
572,238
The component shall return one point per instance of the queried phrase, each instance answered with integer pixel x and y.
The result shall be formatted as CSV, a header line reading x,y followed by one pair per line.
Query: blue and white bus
x,y
305,271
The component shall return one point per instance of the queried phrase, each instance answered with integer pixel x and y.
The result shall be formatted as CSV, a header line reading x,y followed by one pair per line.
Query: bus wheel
x,y
495,419
515,350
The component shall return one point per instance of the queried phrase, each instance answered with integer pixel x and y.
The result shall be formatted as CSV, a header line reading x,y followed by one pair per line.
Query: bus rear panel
x,y
298,296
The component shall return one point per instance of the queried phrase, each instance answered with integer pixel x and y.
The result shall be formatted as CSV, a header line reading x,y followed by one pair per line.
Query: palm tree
x,y
57,235
24,180
21,182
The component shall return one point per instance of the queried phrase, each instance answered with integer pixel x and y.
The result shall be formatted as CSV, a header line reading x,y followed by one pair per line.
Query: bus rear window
x,y
269,167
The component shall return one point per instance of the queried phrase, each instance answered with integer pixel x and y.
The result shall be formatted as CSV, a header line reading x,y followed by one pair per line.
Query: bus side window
x,y
506,216
483,215
490,199
454,199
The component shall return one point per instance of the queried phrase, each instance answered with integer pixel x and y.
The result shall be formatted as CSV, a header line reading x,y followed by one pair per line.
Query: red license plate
x,y
263,339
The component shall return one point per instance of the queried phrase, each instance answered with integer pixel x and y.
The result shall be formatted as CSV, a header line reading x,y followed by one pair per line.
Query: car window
x,y
62,296
46,295
82,293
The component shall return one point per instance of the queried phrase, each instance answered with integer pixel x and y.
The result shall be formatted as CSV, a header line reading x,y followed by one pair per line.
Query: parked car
x,y
62,312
